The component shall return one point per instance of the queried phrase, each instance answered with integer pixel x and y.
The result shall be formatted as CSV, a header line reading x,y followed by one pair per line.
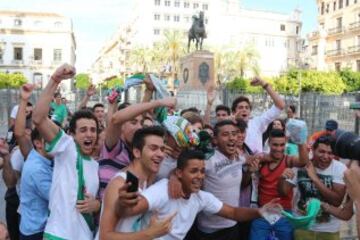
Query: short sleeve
x,y
209,203
17,160
157,195
59,144
338,171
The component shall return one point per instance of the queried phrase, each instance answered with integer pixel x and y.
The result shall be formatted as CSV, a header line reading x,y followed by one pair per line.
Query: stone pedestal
x,y
196,76
197,71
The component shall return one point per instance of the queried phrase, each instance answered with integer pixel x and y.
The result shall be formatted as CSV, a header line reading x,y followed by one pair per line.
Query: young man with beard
x,y
75,175
190,171
271,172
322,178
36,175
241,108
148,149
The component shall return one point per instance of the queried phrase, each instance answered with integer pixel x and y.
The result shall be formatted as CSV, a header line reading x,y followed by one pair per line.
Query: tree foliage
x,y
351,80
82,81
12,80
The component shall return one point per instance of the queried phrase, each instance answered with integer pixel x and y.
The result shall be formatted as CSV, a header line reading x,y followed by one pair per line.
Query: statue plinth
x,y
196,76
197,71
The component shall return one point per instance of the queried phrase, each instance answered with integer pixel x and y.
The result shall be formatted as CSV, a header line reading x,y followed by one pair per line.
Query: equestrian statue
x,y
197,31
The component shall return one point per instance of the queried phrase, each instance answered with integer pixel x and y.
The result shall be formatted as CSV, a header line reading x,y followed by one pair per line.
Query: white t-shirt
x,y
65,221
17,163
223,179
166,166
306,190
257,126
186,209
14,111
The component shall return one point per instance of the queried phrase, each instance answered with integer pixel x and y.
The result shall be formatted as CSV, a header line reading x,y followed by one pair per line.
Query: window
x,y
347,2
206,21
177,4
322,9
156,17
18,53
57,55
358,65
314,50
327,8
196,5
1,54
176,18
297,29
340,4
186,4
205,7
17,22
282,27
157,2
37,54
338,45
156,31
337,66
167,3
334,6
167,18
339,22
187,19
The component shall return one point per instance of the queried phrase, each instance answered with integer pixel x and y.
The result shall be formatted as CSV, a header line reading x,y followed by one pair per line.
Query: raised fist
x,y
26,91
65,71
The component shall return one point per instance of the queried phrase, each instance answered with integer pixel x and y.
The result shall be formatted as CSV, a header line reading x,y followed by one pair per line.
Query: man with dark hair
x,y
191,174
275,165
191,109
148,150
241,108
99,112
322,178
222,112
36,175
75,182
58,109
330,127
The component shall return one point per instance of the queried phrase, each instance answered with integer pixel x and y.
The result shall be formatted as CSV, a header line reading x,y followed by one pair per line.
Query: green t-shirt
x,y
59,112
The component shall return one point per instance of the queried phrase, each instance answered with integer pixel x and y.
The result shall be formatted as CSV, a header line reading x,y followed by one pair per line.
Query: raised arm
x,y
303,158
343,213
124,115
9,175
46,127
20,121
211,95
149,90
90,92
278,101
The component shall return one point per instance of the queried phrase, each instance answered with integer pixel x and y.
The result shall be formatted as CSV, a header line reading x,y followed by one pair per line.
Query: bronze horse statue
x,y
197,31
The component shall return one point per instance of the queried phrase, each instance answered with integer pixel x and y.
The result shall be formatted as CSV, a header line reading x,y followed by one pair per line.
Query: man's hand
x,y
288,173
127,199
148,83
89,205
352,181
26,91
4,148
253,162
175,188
91,90
271,207
310,169
211,95
158,228
65,71
167,102
258,82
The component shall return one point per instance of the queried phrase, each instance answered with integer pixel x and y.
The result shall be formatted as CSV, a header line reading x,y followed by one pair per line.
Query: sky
x,y
95,21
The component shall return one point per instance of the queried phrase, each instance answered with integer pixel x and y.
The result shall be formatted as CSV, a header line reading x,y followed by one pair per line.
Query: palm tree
x,y
247,60
140,59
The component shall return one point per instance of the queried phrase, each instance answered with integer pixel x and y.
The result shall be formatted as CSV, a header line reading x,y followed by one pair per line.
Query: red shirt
x,y
268,184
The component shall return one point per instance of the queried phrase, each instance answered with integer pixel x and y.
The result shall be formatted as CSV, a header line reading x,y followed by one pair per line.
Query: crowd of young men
x,y
67,174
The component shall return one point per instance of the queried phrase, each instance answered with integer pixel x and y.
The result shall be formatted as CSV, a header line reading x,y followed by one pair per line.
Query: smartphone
x,y
133,180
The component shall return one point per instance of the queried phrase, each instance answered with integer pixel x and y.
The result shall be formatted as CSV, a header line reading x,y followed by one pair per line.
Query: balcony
x,y
354,49
314,35
17,62
335,53
354,26
36,62
336,30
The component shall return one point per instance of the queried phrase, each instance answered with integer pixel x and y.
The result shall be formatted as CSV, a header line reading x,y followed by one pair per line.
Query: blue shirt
x,y
35,185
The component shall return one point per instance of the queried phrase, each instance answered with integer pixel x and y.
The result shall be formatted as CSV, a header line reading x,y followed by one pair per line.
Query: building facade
x,y
336,43
275,36
35,44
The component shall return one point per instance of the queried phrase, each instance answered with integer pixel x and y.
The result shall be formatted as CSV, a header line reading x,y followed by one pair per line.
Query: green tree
x,y
351,79
82,81
12,80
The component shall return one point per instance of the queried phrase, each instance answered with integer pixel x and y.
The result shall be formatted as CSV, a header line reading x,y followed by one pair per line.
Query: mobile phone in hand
x,y
133,180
